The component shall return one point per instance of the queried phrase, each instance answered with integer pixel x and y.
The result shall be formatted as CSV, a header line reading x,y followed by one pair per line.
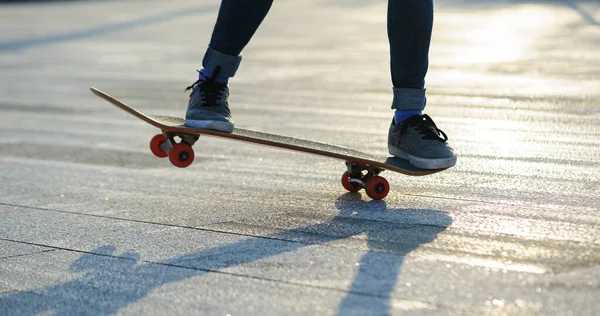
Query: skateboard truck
x,y
180,153
375,186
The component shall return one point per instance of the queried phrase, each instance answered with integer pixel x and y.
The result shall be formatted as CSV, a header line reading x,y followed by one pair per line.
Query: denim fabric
x,y
228,63
237,22
409,99
409,27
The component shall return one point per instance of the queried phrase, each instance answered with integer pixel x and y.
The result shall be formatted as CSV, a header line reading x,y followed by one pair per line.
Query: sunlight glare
x,y
505,36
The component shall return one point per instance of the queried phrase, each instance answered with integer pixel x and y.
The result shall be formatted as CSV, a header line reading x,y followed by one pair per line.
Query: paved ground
x,y
92,223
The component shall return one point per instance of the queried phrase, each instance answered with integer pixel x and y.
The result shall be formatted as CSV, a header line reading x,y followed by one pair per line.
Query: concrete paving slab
x,y
295,256
91,284
92,223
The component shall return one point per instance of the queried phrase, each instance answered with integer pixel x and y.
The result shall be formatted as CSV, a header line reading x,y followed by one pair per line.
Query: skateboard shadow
x,y
107,285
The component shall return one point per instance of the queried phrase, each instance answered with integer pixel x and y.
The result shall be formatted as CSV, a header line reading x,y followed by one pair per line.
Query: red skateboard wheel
x,y
351,187
377,187
155,144
181,155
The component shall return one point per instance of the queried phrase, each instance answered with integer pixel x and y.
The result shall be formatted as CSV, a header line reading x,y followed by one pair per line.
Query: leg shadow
x,y
388,242
111,282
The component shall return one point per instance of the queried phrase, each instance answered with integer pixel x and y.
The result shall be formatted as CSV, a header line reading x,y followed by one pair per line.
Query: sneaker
x,y
208,107
418,140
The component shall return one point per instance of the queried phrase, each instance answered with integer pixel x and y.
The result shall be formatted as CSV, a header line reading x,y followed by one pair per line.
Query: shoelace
x,y
211,89
425,126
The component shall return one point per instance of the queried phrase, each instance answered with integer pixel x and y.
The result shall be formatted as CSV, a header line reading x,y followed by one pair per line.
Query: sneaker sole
x,y
423,163
221,126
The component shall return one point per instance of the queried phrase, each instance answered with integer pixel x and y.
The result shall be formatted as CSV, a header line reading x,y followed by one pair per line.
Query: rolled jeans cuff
x,y
228,64
409,99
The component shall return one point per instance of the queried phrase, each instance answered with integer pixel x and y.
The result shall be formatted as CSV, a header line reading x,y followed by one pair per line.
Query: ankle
x,y
204,74
401,115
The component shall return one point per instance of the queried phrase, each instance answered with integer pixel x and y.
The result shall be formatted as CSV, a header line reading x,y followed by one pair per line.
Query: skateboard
x,y
363,170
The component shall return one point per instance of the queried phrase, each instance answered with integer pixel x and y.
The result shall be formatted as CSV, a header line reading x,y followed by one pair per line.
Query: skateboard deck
x,y
362,168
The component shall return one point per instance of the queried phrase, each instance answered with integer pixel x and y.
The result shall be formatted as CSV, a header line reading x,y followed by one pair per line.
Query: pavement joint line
x,y
279,281
407,194
205,229
24,254
164,224
193,228
141,170
174,225
54,248
10,292
361,293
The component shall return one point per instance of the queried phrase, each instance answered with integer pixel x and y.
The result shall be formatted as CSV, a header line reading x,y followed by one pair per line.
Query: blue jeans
x,y
409,26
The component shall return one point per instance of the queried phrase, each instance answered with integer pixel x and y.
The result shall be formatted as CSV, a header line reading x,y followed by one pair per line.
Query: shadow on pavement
x,y
86,33
389,242
390,235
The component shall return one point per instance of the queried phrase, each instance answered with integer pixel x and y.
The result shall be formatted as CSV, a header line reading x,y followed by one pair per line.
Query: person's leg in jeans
x,y
413,136
236,23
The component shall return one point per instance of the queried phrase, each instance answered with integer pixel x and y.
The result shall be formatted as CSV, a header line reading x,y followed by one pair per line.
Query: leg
x,y
412,135
237,22
410,24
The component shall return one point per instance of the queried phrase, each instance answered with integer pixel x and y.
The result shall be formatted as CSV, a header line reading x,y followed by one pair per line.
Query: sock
x,y
205,74
402,115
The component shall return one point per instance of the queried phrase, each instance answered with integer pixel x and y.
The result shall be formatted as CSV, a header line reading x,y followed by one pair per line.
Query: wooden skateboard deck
x,y
181,153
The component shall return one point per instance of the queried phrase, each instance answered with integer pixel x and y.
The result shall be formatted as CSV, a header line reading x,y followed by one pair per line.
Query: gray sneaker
x,y
208,107
418,140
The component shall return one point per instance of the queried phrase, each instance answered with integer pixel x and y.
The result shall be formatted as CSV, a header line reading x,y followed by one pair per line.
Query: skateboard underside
x,y
177,146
